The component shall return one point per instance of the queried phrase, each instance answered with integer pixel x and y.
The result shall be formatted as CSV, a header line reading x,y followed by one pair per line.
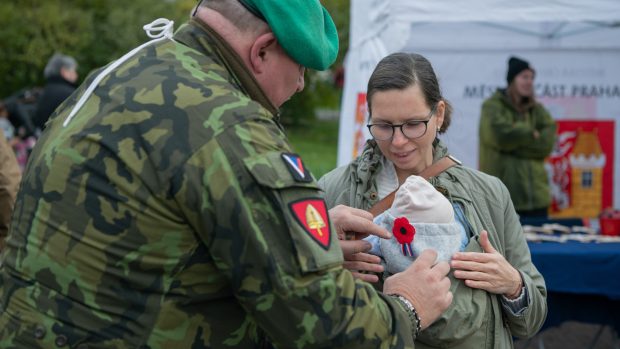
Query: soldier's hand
x,y
359,262
352,225
355,224
425,285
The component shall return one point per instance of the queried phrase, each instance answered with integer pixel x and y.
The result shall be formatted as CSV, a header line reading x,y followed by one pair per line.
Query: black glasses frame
x,y
196,8
394,127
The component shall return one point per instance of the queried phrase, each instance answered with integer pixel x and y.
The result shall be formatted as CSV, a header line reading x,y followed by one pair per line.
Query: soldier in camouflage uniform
x,y
166,209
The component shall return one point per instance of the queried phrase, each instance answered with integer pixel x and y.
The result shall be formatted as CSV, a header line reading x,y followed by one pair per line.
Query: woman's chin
x,y
405,163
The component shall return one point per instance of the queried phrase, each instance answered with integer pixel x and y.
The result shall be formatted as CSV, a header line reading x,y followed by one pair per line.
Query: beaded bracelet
x,y
413,314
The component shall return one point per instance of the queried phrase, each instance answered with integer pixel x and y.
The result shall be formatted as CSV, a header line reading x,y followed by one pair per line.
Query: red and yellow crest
x,y
312,215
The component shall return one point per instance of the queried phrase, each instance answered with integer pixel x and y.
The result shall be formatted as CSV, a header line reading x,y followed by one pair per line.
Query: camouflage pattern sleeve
x,y
265,225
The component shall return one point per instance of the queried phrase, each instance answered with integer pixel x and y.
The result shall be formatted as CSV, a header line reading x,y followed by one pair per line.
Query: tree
x,y
96,32
93,31
320,89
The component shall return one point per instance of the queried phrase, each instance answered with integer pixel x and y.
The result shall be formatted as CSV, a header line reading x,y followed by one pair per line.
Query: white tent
x,y
574,46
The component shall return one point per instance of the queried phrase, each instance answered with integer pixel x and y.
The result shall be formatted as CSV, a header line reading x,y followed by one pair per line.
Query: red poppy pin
x,y
404,232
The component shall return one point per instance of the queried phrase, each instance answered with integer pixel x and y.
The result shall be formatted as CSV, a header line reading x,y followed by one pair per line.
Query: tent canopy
x,y
573,46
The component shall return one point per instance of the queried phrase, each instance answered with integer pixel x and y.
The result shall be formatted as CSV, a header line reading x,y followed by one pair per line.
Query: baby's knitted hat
x,y
420,202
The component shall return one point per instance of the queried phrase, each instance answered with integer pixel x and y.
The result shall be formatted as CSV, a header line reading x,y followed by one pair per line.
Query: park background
x,y
96,32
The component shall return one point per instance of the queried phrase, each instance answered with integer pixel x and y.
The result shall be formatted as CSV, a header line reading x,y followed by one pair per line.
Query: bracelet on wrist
x,y
412,313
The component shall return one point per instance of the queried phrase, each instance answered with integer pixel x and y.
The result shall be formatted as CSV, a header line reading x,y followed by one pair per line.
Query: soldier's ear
x,y
261,52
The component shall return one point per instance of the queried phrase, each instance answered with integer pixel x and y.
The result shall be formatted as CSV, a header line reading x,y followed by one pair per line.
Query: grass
x,y
317,144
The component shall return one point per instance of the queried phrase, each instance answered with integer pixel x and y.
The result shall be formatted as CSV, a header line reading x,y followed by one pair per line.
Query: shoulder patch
x,y
312,215
296,167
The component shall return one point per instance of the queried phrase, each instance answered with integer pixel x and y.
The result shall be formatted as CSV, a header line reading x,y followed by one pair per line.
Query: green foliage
x,y
320,90
96,32
93,31
31,33
318,93
340,11
317,143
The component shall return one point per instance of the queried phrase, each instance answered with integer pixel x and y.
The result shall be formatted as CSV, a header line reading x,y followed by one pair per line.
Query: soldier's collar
x,y
200,36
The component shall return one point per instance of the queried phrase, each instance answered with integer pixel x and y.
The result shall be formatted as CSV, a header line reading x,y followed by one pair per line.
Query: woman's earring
x,y
438,128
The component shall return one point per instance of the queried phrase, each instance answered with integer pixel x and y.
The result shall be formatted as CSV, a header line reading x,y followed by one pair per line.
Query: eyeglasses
x,y
410,129
196,8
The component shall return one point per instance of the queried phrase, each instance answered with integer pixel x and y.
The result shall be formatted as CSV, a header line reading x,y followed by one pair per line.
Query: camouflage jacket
x,y
167,214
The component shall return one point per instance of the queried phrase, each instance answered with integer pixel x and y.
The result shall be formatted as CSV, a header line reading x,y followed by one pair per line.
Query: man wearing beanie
x,y
516,134
163,206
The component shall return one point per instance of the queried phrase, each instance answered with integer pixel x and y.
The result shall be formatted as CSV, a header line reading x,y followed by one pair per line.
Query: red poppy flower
x,y
403,230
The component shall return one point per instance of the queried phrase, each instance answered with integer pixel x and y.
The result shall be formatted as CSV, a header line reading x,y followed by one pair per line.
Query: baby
x,y
420,218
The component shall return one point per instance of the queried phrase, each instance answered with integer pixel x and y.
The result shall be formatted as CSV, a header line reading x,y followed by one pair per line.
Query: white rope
x,y
158,30
161,27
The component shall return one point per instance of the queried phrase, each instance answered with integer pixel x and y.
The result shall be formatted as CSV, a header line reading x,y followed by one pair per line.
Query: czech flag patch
x,y
296,167
312,215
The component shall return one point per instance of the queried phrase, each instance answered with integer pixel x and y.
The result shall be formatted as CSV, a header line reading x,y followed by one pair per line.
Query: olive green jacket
x,y
509,151
476,319
165,216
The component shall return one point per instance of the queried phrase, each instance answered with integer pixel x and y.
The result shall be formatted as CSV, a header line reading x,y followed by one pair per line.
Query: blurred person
x,y
20,107
516,135
61,77
10,176
163,206
18,131
5,123
497,291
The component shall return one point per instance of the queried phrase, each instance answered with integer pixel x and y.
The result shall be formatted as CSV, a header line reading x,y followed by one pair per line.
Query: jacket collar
x,y
504,96
369,162
57,79
201,37
366,167
440,150
448,178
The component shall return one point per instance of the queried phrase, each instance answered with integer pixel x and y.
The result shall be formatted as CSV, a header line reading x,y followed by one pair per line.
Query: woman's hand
x,y
352,225
488,271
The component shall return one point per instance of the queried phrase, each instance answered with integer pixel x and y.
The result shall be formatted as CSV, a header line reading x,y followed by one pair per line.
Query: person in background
x,y
10,175
497,291
165,208
516,135
5,123
61,77
16,122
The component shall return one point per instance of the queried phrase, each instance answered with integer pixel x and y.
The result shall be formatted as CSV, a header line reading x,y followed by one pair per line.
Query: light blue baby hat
x,y
418,206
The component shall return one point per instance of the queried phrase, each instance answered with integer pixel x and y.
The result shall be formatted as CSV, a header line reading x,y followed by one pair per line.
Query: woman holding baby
x,y
498,293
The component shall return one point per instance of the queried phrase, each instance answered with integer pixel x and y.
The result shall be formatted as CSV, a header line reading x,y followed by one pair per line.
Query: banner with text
x,y
573,85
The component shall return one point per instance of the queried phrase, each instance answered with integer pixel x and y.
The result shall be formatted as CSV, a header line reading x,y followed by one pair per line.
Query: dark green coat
x,y
476,318
161,217
509,151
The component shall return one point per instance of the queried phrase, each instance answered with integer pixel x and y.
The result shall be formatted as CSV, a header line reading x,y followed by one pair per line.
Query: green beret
x,y
303,28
